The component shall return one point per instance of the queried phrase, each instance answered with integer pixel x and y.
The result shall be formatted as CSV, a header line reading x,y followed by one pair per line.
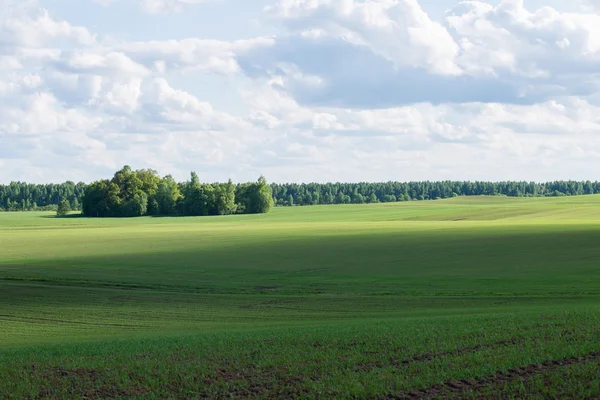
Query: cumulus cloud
x,y
193,54
25,24
534,44
183,111
65,93
344,90
388,52
397,31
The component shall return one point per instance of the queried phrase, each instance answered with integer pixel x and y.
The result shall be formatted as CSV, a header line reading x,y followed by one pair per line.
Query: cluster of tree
x,y
357,193
142,192
21,196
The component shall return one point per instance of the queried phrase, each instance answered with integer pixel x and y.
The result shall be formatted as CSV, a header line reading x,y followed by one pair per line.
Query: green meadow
x,y
470,297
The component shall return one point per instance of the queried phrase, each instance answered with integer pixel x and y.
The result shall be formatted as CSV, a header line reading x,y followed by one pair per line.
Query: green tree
x,y
101,199
153,207
63,208
255,197
358,199
192,196
149,181
128,182
167,195
135,207
225,198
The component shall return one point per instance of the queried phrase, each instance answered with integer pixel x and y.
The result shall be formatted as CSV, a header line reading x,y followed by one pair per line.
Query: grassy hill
x,y
470,296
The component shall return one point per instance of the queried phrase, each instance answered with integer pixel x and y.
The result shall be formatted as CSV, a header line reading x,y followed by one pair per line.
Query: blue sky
x,y
300,90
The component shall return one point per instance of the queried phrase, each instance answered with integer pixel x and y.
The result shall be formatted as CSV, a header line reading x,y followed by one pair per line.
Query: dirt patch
x,y
371,365
251,383
367,366
143,356
77,373
88,383
462,350
263,288
453,389
549,325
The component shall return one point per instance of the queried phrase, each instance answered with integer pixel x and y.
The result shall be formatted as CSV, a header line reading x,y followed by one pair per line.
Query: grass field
x,y
461,298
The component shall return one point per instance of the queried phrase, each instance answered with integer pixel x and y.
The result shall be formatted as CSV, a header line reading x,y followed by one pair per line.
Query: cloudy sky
x,y
300,90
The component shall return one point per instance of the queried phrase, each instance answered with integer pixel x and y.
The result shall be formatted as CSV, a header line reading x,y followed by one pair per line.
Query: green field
x,y
479,297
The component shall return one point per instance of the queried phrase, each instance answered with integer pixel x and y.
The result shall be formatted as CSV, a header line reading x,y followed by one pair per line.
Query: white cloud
x,y
159,6
177,107
511,39
193,55
41,113
397,30
389,52
26,24
343,90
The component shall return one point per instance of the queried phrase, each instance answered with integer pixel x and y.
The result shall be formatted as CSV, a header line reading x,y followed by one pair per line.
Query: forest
x,y
290,194
143,192
21,196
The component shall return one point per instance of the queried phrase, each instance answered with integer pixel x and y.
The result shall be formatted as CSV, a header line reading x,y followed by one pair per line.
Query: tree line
x,y
290,194
21,196
143,192
133,193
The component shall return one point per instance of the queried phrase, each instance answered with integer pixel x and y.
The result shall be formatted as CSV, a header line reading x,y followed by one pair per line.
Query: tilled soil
x,y
455,389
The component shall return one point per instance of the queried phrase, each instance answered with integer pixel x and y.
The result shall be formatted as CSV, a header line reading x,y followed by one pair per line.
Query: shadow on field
x,y
174,216
80,215
203,217
70,216
498,261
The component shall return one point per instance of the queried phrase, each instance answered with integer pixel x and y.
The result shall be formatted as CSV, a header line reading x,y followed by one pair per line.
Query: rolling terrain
x,y
460,298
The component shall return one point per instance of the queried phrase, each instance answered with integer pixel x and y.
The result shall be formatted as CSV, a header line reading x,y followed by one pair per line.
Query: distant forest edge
x,y
143,192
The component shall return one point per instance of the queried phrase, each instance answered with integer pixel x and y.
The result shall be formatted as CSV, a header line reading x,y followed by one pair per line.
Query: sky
x,y
300,90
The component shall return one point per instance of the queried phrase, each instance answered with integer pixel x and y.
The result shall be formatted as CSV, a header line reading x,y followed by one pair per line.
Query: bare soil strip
x,y
460,351
370,365
454,389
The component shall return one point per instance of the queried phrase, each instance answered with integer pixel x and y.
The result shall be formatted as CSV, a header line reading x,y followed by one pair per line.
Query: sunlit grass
x,y
327,300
